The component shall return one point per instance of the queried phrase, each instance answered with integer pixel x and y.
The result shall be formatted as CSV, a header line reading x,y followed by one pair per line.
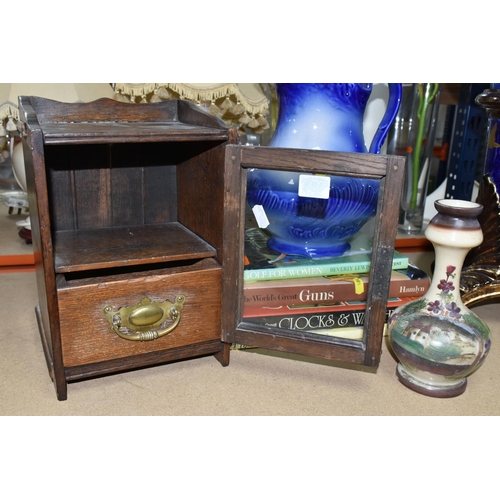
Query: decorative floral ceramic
x,y
327,116
437,339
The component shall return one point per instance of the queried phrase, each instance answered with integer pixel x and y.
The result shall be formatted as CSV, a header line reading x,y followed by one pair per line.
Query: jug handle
x,y
395,93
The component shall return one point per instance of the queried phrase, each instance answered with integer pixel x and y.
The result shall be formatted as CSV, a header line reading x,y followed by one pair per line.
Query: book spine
x,y
316,270
276,295
310,322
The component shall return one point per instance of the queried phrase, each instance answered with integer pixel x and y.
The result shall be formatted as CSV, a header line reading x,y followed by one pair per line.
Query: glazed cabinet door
x,y
257,208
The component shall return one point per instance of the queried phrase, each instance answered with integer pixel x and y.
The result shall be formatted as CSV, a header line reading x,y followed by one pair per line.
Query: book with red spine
x,y
410,282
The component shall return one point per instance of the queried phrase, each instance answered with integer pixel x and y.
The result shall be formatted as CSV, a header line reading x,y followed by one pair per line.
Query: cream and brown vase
x,y
438,341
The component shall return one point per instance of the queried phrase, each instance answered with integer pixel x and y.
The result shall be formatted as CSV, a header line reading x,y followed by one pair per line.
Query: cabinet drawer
x,y
86,336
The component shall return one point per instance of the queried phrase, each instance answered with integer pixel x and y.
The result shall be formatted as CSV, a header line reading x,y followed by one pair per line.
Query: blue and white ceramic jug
x,y
327,116
330,116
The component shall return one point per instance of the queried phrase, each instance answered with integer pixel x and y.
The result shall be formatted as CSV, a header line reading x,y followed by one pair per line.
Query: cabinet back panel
x,y
93,201
160,194
127,193
98,185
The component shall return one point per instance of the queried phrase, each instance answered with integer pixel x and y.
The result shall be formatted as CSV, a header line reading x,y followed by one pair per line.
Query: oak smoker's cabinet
x,y
138,217
127,216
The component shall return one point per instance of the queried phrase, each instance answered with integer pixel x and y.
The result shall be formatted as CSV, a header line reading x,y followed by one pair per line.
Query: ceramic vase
x,y
327,117
438,341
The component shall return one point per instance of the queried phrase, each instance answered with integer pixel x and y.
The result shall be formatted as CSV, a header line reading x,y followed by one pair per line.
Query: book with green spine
x,y
261,263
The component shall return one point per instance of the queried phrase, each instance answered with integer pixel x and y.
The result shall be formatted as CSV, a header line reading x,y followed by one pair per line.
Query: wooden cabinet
x,y
126,206
138,217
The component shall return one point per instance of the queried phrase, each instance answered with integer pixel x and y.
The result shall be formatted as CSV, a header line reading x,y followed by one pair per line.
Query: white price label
x,y
260,216
314,186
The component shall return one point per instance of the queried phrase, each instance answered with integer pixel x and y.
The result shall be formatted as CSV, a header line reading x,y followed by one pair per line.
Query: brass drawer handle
x,y
143,319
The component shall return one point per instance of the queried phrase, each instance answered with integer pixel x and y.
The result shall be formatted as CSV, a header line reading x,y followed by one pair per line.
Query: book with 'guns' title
x,y
410,282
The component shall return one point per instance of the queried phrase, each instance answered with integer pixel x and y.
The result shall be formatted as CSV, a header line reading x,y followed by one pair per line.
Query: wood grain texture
x,y
320,162
86,337
153,358
48,313
105,120
127,246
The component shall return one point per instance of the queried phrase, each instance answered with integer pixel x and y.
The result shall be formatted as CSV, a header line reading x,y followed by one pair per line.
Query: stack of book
x,y
323,296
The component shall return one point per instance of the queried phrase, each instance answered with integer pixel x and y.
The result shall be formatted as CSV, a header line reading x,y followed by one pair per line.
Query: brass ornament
x,y
141,321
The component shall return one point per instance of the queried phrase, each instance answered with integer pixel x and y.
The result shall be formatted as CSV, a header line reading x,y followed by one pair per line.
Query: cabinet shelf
x,y
90,249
